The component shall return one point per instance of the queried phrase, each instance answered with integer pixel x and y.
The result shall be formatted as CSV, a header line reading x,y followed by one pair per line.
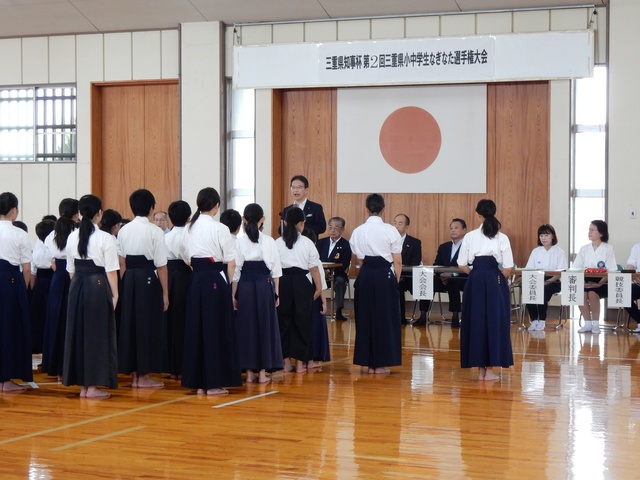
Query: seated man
x,y
632,264
336,249
411,256
447,256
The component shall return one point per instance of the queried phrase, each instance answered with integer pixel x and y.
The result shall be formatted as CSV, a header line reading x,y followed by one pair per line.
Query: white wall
x,y
79,59
624,126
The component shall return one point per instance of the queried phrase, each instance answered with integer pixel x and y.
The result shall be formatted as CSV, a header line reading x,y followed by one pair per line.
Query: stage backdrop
x,y
423,139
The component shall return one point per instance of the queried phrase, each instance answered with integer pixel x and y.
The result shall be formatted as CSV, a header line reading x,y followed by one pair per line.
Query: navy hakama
x,y
259,343
485,334
15,327
319,334
294,313
141,337
90,356
377,312
38,307
179,274
210,343
56,320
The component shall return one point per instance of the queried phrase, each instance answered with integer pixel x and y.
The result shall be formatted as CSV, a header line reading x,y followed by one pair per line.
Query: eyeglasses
x,y
297,187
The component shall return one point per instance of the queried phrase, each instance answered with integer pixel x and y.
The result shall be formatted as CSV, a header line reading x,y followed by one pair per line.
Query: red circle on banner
x,y
410,140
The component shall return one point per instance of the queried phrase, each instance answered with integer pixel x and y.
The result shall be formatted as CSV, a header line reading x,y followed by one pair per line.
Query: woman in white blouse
x,y
597,254
547,256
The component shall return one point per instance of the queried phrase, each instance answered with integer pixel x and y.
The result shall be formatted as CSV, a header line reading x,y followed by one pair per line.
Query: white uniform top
x,y
543,259
14,244
601,257
265,250
175,247
53,249
41,257
304,254
634,256
476,244
207,238
101,249
374,238
141,237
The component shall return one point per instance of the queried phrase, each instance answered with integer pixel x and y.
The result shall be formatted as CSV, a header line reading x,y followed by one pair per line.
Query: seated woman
x,y
597,254
547,256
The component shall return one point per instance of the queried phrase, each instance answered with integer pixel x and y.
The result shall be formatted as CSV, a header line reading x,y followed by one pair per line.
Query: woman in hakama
x,y
485,336
90,356
255,292
15,328
210,344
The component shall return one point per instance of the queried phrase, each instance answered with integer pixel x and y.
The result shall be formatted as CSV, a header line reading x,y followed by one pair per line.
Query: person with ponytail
x,y
485,335
90,355
300,285
15,327
378,246
56,316
145,294
255,297
210,360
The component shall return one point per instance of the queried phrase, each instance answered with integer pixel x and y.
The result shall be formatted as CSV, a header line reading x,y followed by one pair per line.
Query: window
x,y
241,146
38,124
588,192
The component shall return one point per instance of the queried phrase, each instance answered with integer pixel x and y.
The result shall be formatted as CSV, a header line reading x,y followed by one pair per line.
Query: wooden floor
x,y
568,409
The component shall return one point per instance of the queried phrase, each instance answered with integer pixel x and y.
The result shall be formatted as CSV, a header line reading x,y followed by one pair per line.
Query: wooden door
x,y
135,143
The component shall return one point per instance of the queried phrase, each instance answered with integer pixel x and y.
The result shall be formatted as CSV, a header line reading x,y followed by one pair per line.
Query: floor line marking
x,y
95,439
245,399
93,420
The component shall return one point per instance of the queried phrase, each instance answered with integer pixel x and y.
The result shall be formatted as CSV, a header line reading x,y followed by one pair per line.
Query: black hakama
x,y
179,274
377,311
15,326
90,357
56,320
141,337
259,344
294,313
319,334
210,342
485,333
539,311
38,307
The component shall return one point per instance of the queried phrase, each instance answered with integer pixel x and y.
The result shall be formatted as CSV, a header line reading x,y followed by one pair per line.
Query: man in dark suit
x,y
452,283
411,256
313,213
336,249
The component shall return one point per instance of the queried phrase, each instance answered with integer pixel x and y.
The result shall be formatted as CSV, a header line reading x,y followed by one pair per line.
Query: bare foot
x,y
97,394
481,373
371,371
200,391
12,387
264,379
300,367
217,391
83,392
134,380
145,381
251,377
313,365
382,371
490,376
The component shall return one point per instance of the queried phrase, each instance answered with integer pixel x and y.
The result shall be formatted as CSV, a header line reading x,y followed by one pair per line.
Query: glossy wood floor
x,y
568,409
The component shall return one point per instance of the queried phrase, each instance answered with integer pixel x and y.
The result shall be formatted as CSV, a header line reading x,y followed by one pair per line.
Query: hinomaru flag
x,y
413,139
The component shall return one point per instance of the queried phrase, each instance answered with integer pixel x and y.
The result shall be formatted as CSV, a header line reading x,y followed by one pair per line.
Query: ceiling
x,y
20,18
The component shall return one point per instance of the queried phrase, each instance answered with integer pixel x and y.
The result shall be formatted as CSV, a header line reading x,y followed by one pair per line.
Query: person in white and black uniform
x,y
179,277
145,296
15,329
41,275
378,246
299,258
90,353
210,345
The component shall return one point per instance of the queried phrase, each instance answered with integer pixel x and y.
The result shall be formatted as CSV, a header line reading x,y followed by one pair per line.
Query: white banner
x,y
619,290
420,139
532,288
422,283
414,61
572,292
